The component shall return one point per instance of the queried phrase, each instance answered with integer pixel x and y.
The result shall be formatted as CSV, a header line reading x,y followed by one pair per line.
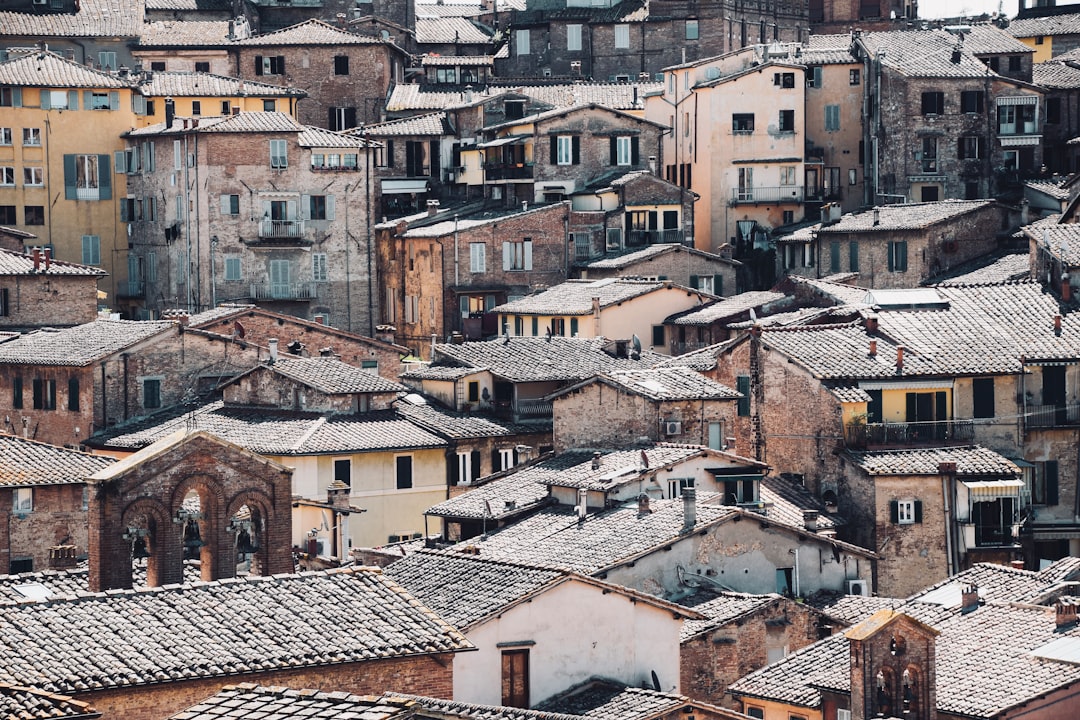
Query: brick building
x,y
896,246
699,328
303,338
1061,83
621,408
347,76
42,502
358,632
62,386
622,41
840,15
445,273
679,263
36,290
278,215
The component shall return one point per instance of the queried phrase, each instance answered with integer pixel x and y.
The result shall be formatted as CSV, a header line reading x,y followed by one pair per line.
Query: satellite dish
x,y
655,681
637,343
753,315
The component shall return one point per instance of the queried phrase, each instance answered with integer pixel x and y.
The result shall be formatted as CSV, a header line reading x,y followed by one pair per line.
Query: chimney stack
x,y
1025,212
652,164
877,217
755,330
899,358
810,520
1016,564
643,505
272,342
582,503
1066,288
468,94
385,333
871,323
1057,324
62,557
873,348
969,597
596,460
432,208
1065,611
170,112
48,258
689,506
37,259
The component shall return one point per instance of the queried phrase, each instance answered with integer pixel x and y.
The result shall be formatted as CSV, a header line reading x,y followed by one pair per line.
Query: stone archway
x,y
143,499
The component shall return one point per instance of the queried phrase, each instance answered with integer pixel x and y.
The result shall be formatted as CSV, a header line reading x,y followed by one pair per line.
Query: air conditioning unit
x,y
672,427
858,587
322,546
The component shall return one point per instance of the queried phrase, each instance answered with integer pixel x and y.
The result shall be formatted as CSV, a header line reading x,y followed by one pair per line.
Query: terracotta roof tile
x,y
184,33
309,32
79,345
196,84
730,307
1066,24
668,384
331,376
27,703
1056,75
17,263
455,30
618,96
924,53
95,19
246,701
26,463
430,124
574,297
50,70
973,461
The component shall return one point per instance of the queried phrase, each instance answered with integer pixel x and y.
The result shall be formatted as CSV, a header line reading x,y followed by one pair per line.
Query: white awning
x,y
907,385
390,187
994,488
510,140
1017,100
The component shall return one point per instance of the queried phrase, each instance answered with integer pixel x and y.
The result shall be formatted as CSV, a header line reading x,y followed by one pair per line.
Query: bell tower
x,y
892,667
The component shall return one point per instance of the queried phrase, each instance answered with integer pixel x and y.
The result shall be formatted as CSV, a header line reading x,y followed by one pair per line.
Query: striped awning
x,y
1017,100
990,489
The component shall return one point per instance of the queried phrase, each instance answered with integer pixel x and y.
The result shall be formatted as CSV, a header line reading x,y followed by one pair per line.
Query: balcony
x,y
1051,416
281,229
978,535
863,435
641,238
508,171
283,291
781,194
523,410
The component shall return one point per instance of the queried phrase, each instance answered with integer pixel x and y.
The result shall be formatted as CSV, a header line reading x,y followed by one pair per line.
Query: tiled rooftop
x,y
1066,24
79,345
316,137
17,263
26,463
466,589
247,701
970,461
451,30
456,425
448,226
309,32
95,19
989,39
564,111
667,384
442,709
1062,241
50,70
909,216
729,307
1007,268
785,501
430,124
190,5
1056,75
1001,583
184,33
850,609
24,703
721,609
701,360
273,432
620,96
331,376
529,359
216,629
574,297
224,316
600,699
924,53
505,495
457,60
197,84
245,122
840,293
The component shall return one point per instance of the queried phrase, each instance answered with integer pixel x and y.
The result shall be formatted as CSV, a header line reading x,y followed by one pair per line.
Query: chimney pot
x,y
810,520
969,597
946,468
273,343
1016,564
899,358
1065,611
643,505
689,500
755,330
873,348
1057,324
877,217
871,323
48,258
37,259
596,461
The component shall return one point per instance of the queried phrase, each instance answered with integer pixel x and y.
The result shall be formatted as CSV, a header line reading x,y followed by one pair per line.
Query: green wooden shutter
x,y
69,177
718,284
104,178
853,256
114,100
535,326
573,327
694,281
452,476
1050,470
742,384
73,99
474,458
892,256
635,155
834,256
918,511
576,148
894,512
88,100
258,65
554,149
613,150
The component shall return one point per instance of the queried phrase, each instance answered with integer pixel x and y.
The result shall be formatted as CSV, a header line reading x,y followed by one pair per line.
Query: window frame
x,y
145,383
403,463
786,121
621,36
22,500
279,154
742,123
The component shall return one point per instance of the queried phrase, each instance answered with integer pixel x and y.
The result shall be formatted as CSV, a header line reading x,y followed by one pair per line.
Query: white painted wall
x,y
578,632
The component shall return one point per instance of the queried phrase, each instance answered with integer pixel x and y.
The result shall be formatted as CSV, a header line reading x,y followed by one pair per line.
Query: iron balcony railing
x,y
639,238
283,291
863,435
508,171
1049,416
281,228
783,193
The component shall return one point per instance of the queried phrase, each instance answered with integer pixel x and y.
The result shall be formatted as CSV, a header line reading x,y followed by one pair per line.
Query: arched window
x,y
884,695
910,692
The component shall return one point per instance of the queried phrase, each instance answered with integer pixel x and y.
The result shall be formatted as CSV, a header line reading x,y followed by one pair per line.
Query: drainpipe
x,y
457,270
948,475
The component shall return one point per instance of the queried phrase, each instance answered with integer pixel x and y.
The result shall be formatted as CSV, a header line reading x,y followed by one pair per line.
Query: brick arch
x,y
159,526
211,527
262,510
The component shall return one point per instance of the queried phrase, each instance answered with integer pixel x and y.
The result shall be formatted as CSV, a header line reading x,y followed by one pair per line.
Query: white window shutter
x,y
226,205
120,161
528,254
114,100
506,256
329,207
305,206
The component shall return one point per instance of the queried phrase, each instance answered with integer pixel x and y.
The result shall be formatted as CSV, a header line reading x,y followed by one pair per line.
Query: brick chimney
x,y
1065,611
969,597
432,208
596,460
810,519
37,259
385,333
871,323
873,348
1057,324
899,358
643,505
689,505
48,258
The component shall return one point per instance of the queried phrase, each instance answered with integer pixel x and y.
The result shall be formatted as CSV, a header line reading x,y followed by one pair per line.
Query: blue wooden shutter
x,y
104,178
69,177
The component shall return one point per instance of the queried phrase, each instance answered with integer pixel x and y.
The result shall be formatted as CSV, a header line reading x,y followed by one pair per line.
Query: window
x,y
477,257
342,118
517,255
971,101
853,77
832,118
341,64
905,512
1053,111
521,42
897,256
151,393
929,155
787,174
31,136
971,147
5,136
756,712
677,485
573,37
22,500
624,150
403,471
98,100
91,250
278,154
196,107
982,396
813,77
692,30
317,207
1014,63
742,385
107,60
784,80
713,284
270,105
507,458
783,584
11,97
232,267
742,123
834,256
73,394
44,394
343,471
7,175
87,177
933,103
1044,484
467,467
34,214
787,121
319,269
226,107
202,66
270,65
230,204
622,37
5,302
558,327
746,183
566,149
842,714
158,66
